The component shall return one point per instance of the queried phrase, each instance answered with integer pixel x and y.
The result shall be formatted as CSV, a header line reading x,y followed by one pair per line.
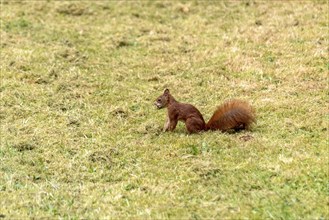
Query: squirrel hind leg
x,y
194,125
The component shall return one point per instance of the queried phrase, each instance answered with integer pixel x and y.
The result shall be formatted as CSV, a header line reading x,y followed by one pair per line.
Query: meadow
x,y
81,138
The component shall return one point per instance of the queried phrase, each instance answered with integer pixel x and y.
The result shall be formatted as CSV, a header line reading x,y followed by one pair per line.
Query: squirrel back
x,y
232,115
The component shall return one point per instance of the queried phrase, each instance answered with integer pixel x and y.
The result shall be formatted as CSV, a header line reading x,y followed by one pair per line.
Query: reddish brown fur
x,y
177,111
234,115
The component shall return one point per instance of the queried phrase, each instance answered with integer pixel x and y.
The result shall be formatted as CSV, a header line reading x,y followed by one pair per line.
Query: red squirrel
x,y
232,115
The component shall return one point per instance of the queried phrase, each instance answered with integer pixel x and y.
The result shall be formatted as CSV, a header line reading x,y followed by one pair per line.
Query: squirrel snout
x,y
158,105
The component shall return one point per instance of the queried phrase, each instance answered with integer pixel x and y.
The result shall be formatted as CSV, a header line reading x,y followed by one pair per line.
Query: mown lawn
x,y
80,137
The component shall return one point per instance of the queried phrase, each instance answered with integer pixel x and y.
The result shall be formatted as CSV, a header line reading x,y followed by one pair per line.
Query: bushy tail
x,y
232,115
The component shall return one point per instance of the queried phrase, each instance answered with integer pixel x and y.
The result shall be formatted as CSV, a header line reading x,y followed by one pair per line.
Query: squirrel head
x,y
163,100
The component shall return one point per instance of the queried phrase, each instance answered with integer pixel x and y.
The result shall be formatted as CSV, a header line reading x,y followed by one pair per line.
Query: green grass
x,y
80,137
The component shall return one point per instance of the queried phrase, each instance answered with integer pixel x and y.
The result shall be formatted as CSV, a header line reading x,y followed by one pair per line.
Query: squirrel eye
x,y
159,100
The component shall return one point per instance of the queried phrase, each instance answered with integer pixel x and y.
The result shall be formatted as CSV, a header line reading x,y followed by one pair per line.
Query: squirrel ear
x,y
166,92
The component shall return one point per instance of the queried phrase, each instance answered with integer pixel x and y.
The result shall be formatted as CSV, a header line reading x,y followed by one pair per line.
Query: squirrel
x,y
233,115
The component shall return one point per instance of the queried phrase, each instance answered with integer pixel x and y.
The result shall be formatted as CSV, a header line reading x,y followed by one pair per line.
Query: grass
x,y
80,137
